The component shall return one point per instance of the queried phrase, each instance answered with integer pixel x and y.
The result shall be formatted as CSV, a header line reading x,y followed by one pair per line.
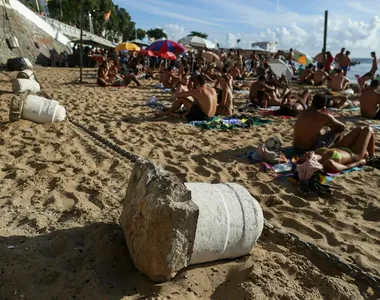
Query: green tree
x,y
140,33
199,34
156,33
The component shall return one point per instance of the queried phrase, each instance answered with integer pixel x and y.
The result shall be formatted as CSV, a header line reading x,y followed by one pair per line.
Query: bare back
x,y
207,99
256,87
319,77
345,61
369,103
338,82
308,128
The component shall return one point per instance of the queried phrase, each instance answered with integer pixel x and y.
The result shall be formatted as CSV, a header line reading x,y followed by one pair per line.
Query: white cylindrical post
x,y
230,221
21,85
42,110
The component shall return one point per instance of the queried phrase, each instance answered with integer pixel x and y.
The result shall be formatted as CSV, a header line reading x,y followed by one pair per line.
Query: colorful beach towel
x,y
219,123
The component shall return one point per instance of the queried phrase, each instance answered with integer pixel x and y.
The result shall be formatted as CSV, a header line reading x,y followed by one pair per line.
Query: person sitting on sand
x,y
307,75
338,82
150,72
235,72
169,80
353,150
183,85
293,103
108,74
226,105
307,130
320,77
370,101
201,109
363,80
257,89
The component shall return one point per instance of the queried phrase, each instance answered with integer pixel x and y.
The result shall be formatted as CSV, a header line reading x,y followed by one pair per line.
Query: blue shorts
x,y
326,140
344,68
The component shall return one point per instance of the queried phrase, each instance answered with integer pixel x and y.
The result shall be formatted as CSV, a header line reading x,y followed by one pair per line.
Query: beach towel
x,y
219,122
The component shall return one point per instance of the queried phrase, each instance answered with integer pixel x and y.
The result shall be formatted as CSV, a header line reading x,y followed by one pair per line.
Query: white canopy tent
x,y
196,41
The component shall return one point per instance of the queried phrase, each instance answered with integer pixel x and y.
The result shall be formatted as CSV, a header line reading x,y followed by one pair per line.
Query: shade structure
x,y
280,68
196,41
168,55
212,58
139,42
164,46
302,58
127,46
258,49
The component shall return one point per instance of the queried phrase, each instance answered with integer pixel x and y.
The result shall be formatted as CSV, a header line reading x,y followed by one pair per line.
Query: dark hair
x,y
328,53
375,83
113,56
224,70
348,52
310,66
373,53
201,80
262,78
319,101
338,71
170,68
186,70
196,68
342,49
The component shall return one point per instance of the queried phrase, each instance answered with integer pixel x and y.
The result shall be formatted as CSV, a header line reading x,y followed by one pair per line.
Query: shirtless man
x,y
339,57
293,103
370,101
258,90
307,130
202,108
374,63
320,59
183,86
345,63
169,80
338,82
307,75
226,105
235,72
320,77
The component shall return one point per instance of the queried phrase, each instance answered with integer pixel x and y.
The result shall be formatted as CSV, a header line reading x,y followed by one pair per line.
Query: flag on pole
x,y
107,16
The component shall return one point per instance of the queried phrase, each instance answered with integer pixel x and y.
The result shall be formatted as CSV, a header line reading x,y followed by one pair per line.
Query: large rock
x,y
159,221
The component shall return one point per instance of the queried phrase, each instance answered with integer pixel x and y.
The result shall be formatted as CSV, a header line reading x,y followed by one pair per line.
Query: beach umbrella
x,y
197,41
280,68
164,46
127,46
168,55
302,58
212,58
146,52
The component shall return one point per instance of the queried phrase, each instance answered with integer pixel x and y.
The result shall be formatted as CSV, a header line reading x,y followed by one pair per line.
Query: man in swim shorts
x,y
374,63
202,108
310,122
345,63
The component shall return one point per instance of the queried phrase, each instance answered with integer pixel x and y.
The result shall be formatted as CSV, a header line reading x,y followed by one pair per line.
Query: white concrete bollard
x,y
42,110
23,85
229,224
26,74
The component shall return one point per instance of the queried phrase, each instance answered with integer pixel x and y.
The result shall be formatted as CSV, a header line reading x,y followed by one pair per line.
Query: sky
x,y
298,24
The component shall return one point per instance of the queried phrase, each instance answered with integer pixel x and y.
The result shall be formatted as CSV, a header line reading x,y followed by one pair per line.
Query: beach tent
x,y
196,41
127,46
280,68
139,42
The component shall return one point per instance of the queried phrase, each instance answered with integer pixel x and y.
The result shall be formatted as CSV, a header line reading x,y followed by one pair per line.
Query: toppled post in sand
x,y
169,225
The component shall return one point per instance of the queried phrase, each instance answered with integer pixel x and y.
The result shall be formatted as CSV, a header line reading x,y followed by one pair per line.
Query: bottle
x,y
280,168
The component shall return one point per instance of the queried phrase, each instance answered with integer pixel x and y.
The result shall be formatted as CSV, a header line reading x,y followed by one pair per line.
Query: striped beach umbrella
x,y
165,46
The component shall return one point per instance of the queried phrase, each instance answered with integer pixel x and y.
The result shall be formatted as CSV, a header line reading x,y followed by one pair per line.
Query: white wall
x,y
39,22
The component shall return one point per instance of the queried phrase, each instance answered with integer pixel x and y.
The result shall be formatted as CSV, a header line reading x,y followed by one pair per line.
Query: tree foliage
x,y
199,34
119,24
140,33
156,33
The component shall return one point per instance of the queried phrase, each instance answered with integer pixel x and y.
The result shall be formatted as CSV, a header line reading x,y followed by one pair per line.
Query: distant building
x,y
269,46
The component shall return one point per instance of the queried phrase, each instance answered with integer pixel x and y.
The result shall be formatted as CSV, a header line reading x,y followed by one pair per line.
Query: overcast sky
x,y
292,23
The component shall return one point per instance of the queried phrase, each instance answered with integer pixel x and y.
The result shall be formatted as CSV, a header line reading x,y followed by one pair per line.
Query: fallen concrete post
x,y
26,74
169,225
22,85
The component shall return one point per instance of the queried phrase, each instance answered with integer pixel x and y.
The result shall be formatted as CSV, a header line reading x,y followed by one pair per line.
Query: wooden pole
x,y
81,43
325,36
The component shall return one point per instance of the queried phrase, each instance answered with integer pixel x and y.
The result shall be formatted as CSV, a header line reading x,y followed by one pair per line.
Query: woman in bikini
x,y
354,150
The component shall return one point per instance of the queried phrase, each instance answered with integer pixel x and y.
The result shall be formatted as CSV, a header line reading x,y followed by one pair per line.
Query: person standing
x,y
374,63
339,57
345,63
291,57
329,61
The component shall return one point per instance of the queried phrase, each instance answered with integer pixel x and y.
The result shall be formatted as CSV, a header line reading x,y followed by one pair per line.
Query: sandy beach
x,y
61,195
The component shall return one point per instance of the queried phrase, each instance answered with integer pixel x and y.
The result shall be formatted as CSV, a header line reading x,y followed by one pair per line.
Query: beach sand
x,y
61,195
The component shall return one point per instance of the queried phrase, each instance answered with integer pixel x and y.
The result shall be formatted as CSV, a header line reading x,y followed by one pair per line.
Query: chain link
x,y
333,260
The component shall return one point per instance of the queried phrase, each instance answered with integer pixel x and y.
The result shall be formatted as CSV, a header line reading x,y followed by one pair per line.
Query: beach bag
x,y
17,64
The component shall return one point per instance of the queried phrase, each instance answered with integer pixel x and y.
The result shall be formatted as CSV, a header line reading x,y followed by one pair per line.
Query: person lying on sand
x,y
307,130
340,102
168,79
202,108
370,101
307,75
293,103
320,77
108,74
338,82
352,150
226,105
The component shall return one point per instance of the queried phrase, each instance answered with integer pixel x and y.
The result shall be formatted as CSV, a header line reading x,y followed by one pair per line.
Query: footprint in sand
x,y
295,201
298,226
262,188
203,171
